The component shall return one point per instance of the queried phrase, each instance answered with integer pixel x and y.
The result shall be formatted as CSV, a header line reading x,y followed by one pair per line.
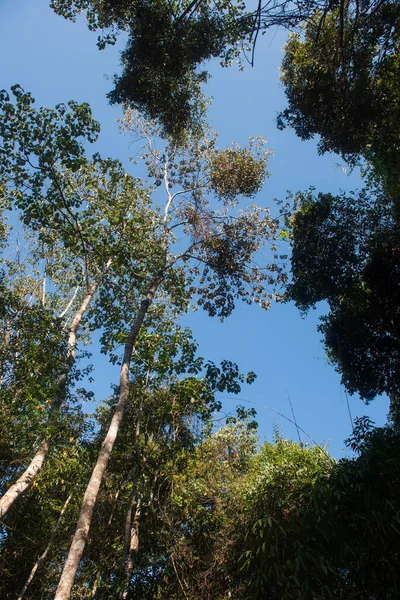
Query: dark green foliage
x,y
338,538
166,45
42,136
281,523
362,333
346,252
159,64
332,237
35,143
342,80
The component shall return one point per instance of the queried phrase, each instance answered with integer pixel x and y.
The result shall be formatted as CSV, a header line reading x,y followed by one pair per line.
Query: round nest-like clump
x,y
236,172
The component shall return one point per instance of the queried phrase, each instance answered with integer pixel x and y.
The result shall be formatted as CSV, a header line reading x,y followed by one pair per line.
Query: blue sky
x,y
57,61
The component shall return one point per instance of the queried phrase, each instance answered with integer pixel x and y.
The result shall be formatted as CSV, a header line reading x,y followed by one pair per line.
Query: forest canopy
x,y
160,491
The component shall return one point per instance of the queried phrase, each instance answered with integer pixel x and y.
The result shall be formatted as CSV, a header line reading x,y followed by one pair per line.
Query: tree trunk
x,y
25,481
82,529
394,408
132,534
127,563
131,538
43,556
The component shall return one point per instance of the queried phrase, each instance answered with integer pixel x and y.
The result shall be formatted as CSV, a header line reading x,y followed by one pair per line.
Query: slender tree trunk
x,y
133,546
25,481
131,529
131,538
127,563
394,408
82,529
131,542
43,556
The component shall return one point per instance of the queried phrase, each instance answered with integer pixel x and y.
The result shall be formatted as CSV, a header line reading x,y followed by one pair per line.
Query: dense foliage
x,y
317,520
360,282
167,43
102,256
147,498
341,77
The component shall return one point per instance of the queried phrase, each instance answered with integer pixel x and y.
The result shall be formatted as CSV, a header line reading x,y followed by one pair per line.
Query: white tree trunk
x,y
25,480
82,529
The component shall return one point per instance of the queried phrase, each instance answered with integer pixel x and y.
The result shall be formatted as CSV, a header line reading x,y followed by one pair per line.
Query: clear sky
x,y
57,61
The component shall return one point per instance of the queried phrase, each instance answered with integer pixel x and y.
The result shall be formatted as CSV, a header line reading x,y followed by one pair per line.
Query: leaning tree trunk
x,y
89,499
25,481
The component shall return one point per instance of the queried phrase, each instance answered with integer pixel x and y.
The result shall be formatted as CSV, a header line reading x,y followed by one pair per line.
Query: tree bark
x,y
25,481
82,530
131,540
43,556
394,408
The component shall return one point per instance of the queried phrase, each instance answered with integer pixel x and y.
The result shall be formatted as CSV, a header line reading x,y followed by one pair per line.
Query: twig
x,y
294,418
283,417
180,582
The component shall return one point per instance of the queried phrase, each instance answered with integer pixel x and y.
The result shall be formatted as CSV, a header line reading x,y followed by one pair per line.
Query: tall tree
x,y
216,264
78,210
101,218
